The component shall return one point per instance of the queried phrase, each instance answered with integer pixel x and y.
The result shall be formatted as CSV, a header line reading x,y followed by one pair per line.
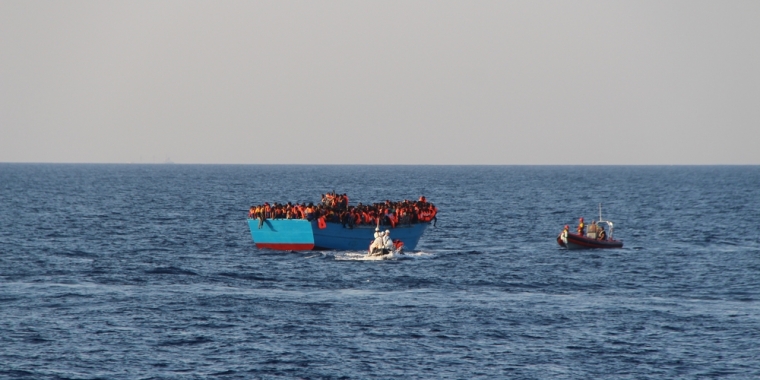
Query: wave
x,y
171,270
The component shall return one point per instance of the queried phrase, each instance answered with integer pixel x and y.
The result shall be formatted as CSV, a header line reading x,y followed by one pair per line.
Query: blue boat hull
x,y
360,237
282,234
299,235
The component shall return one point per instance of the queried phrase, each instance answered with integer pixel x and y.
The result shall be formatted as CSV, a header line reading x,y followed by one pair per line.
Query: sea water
x,y
149,271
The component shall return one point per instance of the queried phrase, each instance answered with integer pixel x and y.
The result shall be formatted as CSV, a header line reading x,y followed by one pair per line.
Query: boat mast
x,y
612,226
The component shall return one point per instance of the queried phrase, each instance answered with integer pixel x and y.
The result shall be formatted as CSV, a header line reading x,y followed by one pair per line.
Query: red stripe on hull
x,y
576,241
286,246
594,245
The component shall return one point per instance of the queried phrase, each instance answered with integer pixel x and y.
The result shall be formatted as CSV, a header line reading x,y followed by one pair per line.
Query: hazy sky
x,y
385,82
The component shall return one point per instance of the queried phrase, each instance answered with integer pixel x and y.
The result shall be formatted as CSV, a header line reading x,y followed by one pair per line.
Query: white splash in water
x,y
362,256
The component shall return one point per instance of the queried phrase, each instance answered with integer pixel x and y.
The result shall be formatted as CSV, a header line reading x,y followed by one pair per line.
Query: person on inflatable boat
x,y
387,242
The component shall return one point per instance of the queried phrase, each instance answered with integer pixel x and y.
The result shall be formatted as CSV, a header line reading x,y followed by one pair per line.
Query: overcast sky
x,y
385,82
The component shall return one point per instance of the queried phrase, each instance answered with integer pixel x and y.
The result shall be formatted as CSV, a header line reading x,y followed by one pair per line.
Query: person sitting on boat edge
x,y
261,215
581,227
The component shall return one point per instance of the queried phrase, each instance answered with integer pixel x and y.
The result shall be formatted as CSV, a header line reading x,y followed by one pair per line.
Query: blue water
x,y
149,271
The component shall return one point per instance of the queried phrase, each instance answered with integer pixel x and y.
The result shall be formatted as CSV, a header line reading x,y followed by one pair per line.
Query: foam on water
x,y
363,256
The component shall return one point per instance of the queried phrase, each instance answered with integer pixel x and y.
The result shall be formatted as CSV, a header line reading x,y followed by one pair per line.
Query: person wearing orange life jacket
x,y
309,212
297,212
581,227
276,212
422,215
370,217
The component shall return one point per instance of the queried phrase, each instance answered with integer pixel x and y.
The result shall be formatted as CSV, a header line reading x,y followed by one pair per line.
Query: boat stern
x,y
282,234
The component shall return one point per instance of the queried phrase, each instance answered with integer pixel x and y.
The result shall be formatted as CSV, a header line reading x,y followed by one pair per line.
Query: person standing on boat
x,y
387,242
602,235
581,227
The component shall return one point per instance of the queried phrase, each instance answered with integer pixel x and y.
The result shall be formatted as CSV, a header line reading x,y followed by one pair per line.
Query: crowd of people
x,y
334,208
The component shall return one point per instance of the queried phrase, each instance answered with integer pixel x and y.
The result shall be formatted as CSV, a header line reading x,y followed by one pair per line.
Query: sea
x,y
150,272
